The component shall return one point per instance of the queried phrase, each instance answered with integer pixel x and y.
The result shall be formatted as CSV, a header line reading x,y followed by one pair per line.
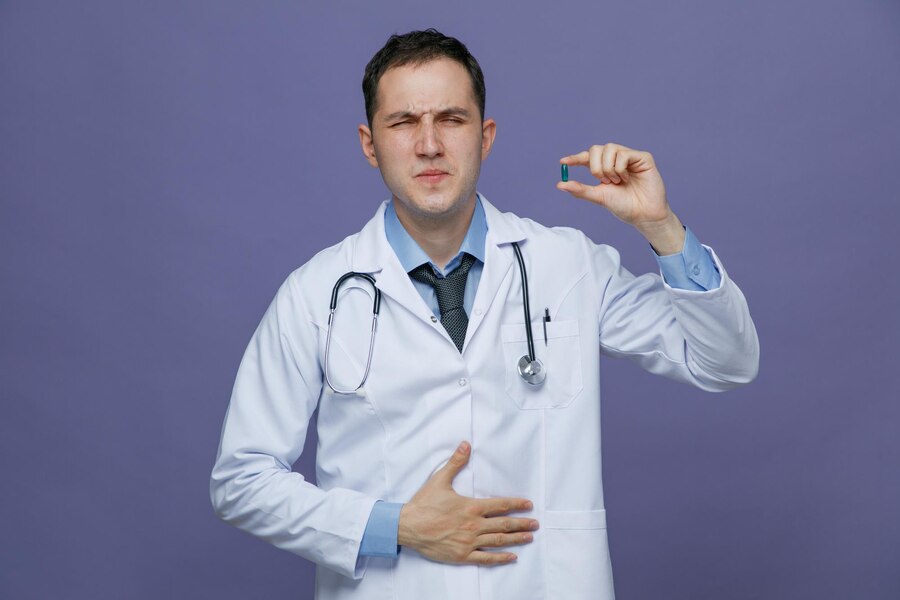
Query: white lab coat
x,y
423,397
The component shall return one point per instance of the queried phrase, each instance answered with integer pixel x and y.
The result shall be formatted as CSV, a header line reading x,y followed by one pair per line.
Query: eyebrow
x,y
453,110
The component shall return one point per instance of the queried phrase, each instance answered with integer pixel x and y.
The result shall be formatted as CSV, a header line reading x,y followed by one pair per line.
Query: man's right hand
x,y
446,527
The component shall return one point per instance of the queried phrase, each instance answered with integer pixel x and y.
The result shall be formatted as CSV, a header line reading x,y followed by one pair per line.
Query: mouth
x,y
432,176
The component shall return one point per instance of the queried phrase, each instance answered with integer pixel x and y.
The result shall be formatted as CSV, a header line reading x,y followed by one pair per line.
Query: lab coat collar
x,y
411,254
503,228
373,254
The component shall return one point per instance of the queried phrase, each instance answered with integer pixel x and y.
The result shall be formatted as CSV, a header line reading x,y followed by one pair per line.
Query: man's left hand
x,y
632,189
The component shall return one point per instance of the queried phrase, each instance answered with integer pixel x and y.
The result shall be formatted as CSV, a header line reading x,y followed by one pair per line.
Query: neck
x,y
439,236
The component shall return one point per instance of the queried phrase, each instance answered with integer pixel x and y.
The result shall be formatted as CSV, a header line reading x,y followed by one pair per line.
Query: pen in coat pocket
x,y
546,320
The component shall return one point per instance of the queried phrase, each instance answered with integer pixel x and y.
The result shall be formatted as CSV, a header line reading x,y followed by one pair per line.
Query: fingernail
x,y
529,506
535,525
463,447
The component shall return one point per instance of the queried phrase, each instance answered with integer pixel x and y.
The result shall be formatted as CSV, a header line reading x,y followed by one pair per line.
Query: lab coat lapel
x,y
373,254
498,261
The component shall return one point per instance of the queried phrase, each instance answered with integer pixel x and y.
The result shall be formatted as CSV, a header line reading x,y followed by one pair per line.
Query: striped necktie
x,y
450,291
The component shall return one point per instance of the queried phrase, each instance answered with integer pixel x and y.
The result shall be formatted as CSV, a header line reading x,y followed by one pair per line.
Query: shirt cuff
x,y
692,268
380,536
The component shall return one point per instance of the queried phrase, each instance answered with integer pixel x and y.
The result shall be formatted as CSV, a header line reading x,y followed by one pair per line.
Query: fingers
x,y
500,506
592,193
596,162
621,167
457,461
509,525
607,162
481,557
581,159
501,540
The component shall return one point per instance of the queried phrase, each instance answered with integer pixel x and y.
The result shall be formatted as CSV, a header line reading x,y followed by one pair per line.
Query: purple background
x,y
165,165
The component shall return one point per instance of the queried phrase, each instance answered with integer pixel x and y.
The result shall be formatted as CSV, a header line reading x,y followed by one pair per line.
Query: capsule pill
x,y
565,172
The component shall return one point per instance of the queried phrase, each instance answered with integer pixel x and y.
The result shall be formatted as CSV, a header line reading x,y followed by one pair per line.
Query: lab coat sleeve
x,y
252,486
704,338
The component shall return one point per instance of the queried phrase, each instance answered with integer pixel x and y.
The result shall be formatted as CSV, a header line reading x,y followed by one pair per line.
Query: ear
x,y
488,133
368,146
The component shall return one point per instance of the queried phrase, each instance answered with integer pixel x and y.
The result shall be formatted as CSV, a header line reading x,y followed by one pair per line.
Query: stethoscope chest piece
x,y
532,371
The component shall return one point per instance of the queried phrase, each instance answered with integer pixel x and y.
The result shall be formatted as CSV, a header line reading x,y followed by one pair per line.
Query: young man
x,y
456,471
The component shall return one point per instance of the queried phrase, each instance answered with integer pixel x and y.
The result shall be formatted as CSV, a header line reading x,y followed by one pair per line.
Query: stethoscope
x,y
529,366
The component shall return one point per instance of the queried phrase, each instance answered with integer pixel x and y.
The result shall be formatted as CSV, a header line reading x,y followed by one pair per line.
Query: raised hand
x,y
631,188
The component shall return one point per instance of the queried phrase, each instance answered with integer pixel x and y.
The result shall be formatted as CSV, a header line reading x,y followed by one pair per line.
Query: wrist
x,y
665,236
404,532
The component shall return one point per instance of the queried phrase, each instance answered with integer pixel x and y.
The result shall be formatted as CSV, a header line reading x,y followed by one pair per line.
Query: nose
x,y
428,143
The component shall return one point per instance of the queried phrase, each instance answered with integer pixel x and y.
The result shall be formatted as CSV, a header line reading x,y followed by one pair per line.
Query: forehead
x,y
428,86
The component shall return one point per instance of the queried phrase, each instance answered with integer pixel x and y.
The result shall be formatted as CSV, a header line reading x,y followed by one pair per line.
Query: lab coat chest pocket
x,y
561,357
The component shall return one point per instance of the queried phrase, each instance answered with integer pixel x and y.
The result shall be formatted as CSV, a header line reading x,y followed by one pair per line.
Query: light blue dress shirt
x,y
411,255
690,269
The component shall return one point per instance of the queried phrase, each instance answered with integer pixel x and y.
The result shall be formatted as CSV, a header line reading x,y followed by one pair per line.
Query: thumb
x,y
457,461
585,192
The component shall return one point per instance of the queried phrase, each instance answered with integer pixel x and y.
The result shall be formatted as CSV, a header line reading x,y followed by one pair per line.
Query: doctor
x,y
447,476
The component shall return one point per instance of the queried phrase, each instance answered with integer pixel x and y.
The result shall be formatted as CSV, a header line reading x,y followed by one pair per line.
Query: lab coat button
x,y
433,319
478,311
462,382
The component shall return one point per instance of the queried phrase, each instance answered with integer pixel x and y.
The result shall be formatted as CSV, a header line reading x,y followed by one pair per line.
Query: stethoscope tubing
x,y
376,307
530,368
525,305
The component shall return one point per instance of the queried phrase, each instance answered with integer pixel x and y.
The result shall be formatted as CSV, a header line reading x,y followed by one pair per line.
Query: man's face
x,y
427,138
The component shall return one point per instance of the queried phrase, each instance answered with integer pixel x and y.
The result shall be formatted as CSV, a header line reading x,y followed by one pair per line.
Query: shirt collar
x,y
411,254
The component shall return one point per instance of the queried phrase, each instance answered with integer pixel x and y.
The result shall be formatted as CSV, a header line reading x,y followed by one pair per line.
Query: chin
x,y
434,206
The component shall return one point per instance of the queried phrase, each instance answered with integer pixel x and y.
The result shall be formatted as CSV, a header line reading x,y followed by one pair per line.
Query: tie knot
x,y
450,292
426,274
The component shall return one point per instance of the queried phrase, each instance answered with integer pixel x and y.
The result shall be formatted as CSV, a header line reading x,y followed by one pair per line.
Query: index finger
x,y
500,506
582,159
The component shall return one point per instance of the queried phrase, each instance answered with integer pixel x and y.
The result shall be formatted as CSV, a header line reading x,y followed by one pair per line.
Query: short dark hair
x,y
416,48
